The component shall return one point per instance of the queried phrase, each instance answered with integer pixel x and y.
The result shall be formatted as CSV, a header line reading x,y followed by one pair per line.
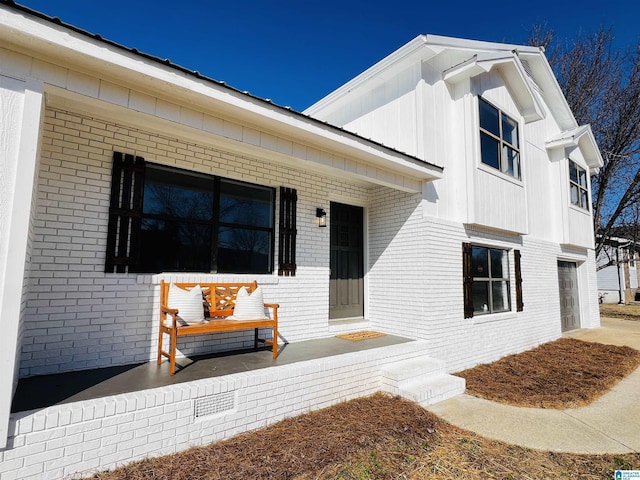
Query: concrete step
x,y
433,389
401,373
349,326
421,379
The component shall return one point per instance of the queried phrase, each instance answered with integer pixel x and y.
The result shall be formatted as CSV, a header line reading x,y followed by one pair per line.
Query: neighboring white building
x,y
617,271
454,177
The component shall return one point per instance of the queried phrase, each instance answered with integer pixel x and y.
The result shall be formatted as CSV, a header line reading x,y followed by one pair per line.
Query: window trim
x,y
502,143
581,189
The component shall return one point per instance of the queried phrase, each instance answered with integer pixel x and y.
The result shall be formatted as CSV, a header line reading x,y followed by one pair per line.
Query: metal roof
x,y
167,62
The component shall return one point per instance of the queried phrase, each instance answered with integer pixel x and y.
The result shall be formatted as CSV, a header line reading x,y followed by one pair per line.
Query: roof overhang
x,y
582,138
511,70
46,39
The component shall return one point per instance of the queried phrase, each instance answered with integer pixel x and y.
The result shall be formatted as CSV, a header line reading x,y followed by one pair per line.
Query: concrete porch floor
x,y
47,390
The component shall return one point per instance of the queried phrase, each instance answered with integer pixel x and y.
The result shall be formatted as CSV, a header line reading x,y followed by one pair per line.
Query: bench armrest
x,y
271,305
164,311
170,311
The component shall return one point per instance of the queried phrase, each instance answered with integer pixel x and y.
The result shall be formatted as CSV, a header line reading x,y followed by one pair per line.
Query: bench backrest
x,y
220,296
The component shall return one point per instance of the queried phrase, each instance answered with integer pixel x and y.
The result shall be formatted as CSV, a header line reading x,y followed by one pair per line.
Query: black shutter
x,y
288,232
467,280
519,304
125,213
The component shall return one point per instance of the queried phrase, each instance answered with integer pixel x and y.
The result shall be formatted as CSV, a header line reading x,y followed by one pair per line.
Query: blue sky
x,y
294,52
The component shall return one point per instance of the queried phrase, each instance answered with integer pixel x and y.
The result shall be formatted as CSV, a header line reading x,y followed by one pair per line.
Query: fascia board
x,y
582,138
463,71
59,44
475,45
479,63
566,137
513,73
587,143
551,90
532,109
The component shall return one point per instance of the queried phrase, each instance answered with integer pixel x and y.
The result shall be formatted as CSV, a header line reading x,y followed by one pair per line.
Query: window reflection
x,y
176,194
182,228
490,288
245,205
243,250
578,185
499,140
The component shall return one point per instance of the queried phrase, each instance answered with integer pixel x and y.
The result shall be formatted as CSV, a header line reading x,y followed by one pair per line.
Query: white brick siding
x,y
415,285
93,435
78,317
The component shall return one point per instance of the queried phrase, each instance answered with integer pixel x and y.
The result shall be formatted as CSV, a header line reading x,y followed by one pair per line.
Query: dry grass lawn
x,y
384,437
626,312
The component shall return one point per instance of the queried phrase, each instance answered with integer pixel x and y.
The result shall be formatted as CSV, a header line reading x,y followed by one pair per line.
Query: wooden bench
x,y
220,300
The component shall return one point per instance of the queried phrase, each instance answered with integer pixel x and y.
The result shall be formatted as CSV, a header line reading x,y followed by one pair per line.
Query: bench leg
x,y
160,347
255,339
172,354
274,348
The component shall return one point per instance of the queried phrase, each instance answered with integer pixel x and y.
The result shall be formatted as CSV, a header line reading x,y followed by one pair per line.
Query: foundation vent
x,y
214,404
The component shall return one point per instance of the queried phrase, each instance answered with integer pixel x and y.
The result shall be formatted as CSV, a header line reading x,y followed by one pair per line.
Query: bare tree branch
x,y
602,86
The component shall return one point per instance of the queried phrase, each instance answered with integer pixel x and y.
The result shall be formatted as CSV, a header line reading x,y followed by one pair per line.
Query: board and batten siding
x,y
499,202
387,113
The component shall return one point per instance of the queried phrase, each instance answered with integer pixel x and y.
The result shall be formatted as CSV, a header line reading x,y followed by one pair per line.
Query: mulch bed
x,y
384,437
563,374
378,437
293,447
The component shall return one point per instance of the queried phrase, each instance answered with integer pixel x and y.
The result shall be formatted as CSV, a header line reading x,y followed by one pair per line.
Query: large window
x,y
487,285
199,223
578,185
499,142
183,221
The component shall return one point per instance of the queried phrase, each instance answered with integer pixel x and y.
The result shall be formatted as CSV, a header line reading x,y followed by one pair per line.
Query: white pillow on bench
x,y
189,303
249,307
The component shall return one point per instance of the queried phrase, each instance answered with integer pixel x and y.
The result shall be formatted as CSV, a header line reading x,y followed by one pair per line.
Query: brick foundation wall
x,y
89,436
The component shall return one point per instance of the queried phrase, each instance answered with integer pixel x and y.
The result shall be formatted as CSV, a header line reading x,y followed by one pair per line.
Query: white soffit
x,y
361,167
511,70
582,138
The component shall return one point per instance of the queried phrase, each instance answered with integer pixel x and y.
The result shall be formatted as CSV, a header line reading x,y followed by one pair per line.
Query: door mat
x,y
364,335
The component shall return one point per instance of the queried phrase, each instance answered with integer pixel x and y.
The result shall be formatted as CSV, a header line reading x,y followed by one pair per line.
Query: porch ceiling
x,y
308,152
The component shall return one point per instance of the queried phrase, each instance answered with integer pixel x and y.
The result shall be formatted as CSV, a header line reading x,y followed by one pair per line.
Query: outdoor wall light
x,y
321,215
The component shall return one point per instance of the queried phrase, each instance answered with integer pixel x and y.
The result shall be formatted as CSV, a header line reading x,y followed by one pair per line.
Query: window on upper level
x,y
499,140
578,185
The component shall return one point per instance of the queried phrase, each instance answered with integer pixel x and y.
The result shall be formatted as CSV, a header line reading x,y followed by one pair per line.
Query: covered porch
x,y
62,388
82,422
